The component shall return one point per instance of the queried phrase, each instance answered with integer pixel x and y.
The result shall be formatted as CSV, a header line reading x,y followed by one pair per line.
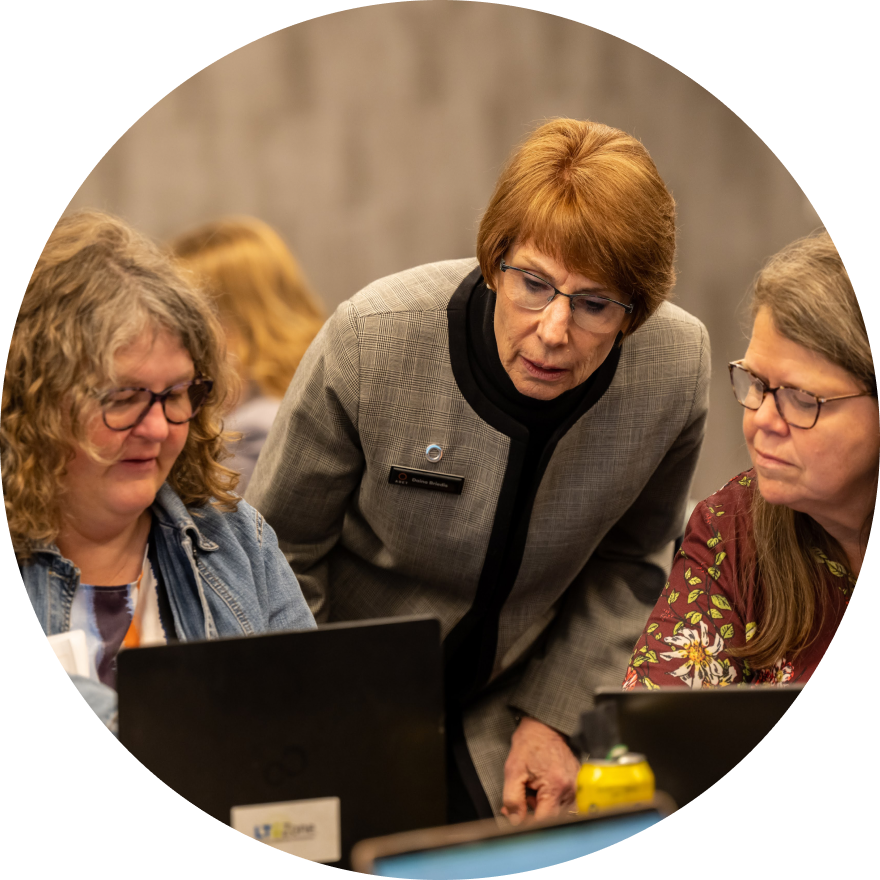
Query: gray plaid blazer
x,y
376,387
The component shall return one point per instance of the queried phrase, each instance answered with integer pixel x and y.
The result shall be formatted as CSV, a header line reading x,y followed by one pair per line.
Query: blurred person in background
x,y
506,443
123,517
268,311
769,562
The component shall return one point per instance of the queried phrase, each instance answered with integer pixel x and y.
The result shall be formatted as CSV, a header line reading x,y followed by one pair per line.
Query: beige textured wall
x,y
371,139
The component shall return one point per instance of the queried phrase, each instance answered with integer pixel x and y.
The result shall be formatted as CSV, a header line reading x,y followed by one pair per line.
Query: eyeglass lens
x,y
590,312
125,407
799,408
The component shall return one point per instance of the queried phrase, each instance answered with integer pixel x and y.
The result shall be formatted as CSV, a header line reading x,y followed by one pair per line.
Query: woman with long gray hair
x,y
769,562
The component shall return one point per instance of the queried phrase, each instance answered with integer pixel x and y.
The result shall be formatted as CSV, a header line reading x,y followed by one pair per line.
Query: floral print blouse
x,y
705,608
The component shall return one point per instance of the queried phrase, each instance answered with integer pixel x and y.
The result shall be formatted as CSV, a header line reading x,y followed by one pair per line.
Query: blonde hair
x,y
261,293
807,292
98,285
590,197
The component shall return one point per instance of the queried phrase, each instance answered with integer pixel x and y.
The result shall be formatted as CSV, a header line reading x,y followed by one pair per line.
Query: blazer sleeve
x,y
312,462
590,642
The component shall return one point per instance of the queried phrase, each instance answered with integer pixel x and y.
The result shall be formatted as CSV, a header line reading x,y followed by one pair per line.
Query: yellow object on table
x,y
614,782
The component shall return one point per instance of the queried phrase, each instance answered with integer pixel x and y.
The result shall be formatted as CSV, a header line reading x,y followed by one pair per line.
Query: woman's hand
x,y
541,761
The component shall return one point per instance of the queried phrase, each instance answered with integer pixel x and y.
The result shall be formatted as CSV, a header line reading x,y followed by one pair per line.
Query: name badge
x,y
434,482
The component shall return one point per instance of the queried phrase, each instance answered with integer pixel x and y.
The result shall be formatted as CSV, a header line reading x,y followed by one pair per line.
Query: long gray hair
x,y
808,294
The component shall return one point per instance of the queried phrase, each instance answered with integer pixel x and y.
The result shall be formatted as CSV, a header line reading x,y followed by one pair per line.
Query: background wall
x,y
371,140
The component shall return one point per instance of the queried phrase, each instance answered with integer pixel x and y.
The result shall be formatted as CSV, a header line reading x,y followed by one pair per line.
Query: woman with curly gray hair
x,y
123,517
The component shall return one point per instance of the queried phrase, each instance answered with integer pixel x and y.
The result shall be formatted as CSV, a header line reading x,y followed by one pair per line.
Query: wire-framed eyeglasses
x,y
590,310
798,408
125,408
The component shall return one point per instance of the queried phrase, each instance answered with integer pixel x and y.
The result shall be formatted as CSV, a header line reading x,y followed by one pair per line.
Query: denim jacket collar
x,y
171,515
225,574
171,511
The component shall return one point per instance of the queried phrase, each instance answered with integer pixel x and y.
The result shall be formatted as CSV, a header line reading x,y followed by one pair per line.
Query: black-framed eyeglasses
x,y
125,408
798,408
590,310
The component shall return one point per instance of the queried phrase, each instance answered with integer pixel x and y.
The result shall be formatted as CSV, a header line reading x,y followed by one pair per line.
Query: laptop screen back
x,y
659,724
286,735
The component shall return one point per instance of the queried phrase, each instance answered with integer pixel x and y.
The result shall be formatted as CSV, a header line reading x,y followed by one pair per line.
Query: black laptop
x,y
307,741
693,738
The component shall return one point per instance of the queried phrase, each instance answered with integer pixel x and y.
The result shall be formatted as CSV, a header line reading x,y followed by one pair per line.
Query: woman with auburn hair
x,y
506,443
769,562
123,518
269,314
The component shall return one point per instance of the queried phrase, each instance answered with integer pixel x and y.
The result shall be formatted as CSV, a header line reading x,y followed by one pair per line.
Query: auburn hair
x,y
590,197
265,303
98,286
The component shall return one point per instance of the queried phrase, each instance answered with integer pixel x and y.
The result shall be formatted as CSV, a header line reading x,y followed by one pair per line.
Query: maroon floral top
x,y
709,604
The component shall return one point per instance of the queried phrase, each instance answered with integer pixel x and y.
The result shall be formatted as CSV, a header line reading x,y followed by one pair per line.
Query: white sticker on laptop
x,y
309,828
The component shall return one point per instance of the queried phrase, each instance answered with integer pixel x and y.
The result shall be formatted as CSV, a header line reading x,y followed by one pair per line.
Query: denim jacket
x,y
224,574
